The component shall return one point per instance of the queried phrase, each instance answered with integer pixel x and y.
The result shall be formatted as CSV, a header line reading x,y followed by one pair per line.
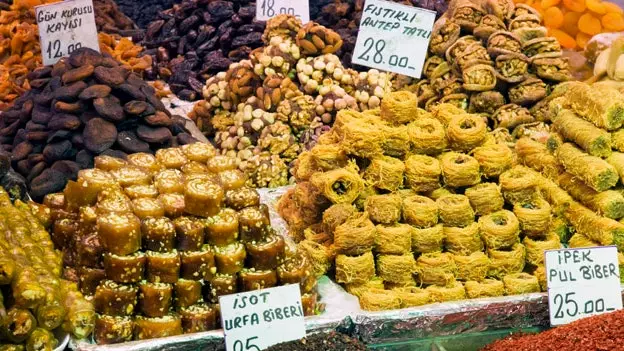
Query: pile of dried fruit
x,y
502,69
156,239
143,12
109,19
574,22
409,207
197,38
264,111
35,303
83,106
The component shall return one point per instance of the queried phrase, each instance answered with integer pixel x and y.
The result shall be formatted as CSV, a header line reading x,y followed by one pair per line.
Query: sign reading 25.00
x,y
393,37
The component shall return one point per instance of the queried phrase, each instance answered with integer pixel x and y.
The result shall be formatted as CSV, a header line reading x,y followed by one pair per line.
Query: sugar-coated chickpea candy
x,y
109,163
157,327
232,179
141,191
308,302
158,234
297,271
198,318
169,181
194,167
221,284
162,267
187,292
80,317
89,250
120,234
202,197
241,198
20,323
266,254
251,279
145,161
189,233
221,163
197,265
199,152
222,229
92,181
253,224
148,207
115,299
113,200
90,279
131,175
41,340
230,259
125,269
155,299
172,157
173,203
113,329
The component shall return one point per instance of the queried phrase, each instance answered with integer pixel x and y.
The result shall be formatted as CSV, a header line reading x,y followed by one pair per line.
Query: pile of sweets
x,y
196,38
156,239
410,208
575,22
491,58
266,110
84,105
35,302
582,161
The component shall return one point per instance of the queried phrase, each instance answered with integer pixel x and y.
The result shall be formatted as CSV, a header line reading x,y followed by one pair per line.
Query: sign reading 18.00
x,y
65,27
266,9
393,37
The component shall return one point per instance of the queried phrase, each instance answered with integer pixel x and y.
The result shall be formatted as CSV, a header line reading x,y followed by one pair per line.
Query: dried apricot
x,y
553,17
613,22
589,24
611,7
549,3
570,22
575,5
582,39
596,6
564,38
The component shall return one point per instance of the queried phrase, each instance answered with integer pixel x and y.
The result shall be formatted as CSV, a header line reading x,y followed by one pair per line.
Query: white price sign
x,y
582,282
267,9
65,27
393,37
255,320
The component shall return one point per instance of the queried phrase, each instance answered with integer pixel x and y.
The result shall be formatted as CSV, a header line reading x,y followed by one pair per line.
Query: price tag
x,y
393,37
255,320
65,27
267,9
582,282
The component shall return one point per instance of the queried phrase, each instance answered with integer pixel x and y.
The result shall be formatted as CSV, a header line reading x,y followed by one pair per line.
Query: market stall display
x,y
155,240
85,105
266,110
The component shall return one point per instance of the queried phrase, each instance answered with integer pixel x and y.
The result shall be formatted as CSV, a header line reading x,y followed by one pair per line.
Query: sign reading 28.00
x,y
393,37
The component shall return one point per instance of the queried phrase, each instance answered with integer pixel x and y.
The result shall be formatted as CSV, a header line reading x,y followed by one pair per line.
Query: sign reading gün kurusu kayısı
x,y
65,27
257,319
393,37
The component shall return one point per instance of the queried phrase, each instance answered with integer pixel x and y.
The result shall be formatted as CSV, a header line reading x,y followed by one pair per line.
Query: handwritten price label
x,y
267,9
582,283
393,37
65,27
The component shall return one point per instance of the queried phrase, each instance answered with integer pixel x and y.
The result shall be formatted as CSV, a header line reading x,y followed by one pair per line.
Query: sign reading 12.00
x,y
267,9
65,27
393,37
582,282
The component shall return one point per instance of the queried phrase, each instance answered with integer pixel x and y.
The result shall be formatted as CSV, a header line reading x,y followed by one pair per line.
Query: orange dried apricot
x,y
564,38
589,24
613,22
549,3
596,6
611,7
582,39
570,22
553,17
537,5
575,5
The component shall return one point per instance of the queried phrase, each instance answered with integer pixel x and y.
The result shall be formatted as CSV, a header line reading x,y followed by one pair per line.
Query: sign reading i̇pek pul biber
x,y
255,320
65,27
582,282
393,37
